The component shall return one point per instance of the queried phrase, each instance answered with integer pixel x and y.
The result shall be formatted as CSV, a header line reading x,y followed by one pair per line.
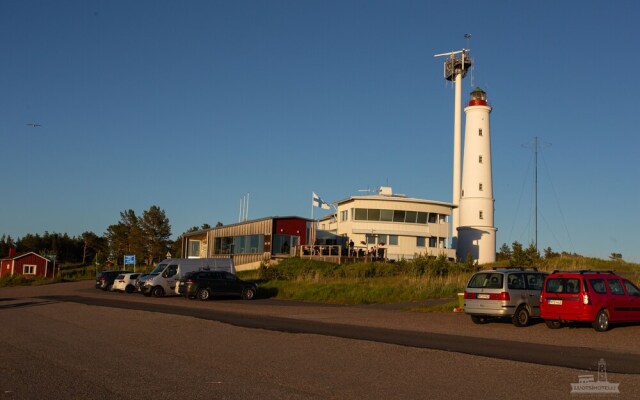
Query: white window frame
x,y
29,269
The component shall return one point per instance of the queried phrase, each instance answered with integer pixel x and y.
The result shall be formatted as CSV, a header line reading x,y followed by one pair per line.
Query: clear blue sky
x,y
188,105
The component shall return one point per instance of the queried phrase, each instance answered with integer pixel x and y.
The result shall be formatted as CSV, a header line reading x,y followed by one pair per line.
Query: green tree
x,y
156,231
504,253
549,253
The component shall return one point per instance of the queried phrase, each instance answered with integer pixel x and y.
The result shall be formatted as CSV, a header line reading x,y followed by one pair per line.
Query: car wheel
x,y
521,317
248,293
601,323
551,324
129,289
478,320
157,291
204,294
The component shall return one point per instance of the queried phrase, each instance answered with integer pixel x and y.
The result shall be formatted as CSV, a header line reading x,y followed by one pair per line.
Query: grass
x,y
363,283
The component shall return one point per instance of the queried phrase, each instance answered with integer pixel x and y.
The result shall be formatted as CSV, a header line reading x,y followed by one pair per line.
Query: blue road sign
x,y
130,260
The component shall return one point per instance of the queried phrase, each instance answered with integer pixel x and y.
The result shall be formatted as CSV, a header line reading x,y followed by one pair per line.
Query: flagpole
x,y
312,205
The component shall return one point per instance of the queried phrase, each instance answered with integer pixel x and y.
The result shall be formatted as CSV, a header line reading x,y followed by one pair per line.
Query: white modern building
x,y
402,225
476,231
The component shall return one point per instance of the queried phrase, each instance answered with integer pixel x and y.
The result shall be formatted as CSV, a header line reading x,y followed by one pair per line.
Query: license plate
x,y
483,296
555,302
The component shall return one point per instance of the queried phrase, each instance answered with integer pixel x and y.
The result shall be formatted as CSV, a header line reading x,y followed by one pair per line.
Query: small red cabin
x,y
31,265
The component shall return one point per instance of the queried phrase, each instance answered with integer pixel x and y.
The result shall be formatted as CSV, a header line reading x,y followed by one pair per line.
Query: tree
x,y
117,241
504,253
156,231
616,256
90,241
548,253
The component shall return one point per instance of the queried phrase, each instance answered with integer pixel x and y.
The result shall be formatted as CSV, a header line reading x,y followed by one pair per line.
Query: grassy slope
x,y
375,283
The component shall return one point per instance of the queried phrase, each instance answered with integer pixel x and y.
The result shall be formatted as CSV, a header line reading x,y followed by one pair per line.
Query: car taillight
x,y
585,299
468,295
504,296
102,279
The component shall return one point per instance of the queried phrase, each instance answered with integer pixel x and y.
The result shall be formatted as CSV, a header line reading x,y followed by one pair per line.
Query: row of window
x,y
249,244
408,217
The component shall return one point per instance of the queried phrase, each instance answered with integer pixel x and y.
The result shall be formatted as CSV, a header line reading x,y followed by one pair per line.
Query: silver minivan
x,y
513,293
165,276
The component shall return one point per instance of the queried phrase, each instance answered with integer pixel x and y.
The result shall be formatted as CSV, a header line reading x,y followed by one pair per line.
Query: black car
x,y
105,279
206,284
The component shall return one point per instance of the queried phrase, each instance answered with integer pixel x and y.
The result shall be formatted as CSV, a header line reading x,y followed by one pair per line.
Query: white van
x,y
165,277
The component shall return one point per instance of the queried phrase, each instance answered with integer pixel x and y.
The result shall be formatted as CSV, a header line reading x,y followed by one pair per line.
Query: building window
x,y
420,241
193,248
433,242
249,244
28,269
480,132
393,240
480,187
480,215
480,159
399,216
344,215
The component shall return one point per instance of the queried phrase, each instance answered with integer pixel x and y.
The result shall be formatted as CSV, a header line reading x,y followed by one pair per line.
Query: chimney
x,y
12,251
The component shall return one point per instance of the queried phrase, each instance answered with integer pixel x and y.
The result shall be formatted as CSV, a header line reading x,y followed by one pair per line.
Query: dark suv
x,y
205,284
105,279
599,297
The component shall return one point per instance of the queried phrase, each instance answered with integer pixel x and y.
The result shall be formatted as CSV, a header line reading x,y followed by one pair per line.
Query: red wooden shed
x,y
30,265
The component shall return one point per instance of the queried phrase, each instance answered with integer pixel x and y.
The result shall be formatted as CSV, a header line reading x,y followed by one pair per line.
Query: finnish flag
x,y
318,202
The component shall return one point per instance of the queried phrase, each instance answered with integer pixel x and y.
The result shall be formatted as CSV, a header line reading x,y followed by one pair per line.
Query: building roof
x,y
24,255
396,198
201,231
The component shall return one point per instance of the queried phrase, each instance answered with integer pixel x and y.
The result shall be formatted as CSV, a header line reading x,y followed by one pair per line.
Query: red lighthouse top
x,y
478,98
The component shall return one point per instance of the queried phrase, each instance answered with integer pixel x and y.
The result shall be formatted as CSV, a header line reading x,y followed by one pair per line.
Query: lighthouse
x,y
476,232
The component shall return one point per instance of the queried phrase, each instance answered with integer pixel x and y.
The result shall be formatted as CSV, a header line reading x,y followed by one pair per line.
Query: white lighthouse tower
x,y
476,232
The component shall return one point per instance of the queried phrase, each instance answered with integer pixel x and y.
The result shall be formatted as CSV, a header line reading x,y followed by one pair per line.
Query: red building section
x,y
31,265
291,226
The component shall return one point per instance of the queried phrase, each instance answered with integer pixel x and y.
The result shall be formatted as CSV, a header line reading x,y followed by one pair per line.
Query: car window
x,y
615,286
491,280
229,277
171,271
535,281
598,285
563,285
515,281
121,276
631,288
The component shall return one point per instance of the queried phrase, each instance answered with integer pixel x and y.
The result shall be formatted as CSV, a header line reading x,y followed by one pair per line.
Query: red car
x,y
599,297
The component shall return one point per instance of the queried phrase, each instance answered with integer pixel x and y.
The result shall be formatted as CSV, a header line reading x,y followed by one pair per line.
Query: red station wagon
x,y
599,297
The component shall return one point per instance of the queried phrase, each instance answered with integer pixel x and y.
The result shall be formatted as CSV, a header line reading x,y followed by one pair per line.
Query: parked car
x,y
164,277
105,279
206,284
140,281
513,293
599,297
126,282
